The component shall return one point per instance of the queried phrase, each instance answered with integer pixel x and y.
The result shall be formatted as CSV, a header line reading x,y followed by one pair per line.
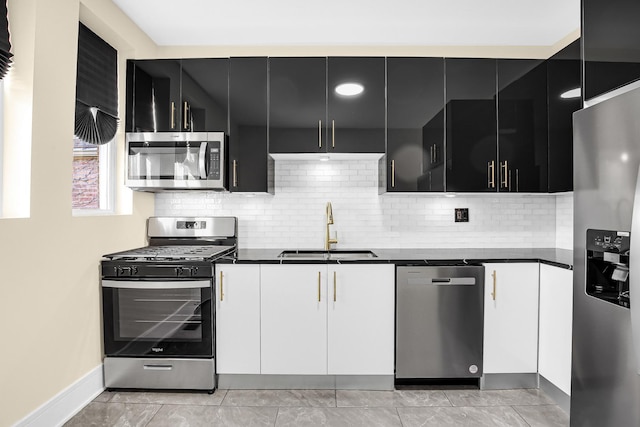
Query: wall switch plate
x,y
462,215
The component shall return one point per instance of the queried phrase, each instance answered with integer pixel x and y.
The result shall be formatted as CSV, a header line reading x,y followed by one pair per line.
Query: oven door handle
x,y
148,284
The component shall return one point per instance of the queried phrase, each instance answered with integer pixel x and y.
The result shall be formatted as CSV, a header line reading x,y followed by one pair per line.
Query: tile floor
x,y
407,408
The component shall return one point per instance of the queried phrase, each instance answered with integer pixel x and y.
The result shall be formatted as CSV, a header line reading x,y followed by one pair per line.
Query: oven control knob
x,y
124,271
183,271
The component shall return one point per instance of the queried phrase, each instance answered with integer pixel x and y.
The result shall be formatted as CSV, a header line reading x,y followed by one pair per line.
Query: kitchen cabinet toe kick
x,y
305,382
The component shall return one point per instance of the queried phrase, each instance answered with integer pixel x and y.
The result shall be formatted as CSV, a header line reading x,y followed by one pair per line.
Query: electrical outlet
x,y
462,215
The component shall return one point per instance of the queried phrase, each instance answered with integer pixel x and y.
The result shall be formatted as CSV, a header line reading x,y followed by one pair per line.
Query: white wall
x,y
564,221
295,216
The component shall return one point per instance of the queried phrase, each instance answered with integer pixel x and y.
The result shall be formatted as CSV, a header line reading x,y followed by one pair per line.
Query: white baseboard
x,y
60,408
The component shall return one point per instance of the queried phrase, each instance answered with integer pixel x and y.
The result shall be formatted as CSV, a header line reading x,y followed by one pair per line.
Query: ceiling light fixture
x,y
573,93
349,89
324,158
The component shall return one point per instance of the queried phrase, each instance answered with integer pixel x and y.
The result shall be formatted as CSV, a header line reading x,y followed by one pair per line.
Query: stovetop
x,y
173,253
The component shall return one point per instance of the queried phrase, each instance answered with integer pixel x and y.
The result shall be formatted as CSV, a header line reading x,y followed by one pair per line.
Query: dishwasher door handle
x,y
441,280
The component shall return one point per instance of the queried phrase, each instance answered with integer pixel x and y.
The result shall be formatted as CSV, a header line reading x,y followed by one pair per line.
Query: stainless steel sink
x,y
327,255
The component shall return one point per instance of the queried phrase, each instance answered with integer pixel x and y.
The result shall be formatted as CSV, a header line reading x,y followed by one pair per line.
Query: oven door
x,y
158,318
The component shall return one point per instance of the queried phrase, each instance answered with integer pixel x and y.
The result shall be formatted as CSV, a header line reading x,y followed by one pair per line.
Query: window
x,y
96,123
92,177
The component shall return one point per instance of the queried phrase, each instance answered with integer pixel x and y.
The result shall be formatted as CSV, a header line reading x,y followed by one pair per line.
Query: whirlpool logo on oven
x,y
157,349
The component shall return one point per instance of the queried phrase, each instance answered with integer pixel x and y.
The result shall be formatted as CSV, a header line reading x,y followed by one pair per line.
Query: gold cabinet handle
x,y
173,115
491,173
495,276
333,134
517,180
319,133
335,298
235,173
393,173
504,172
319,295
435,153
185,116
221,288
431,154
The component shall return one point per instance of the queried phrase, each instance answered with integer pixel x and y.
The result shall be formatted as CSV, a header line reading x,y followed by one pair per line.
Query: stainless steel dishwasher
x,y
439,322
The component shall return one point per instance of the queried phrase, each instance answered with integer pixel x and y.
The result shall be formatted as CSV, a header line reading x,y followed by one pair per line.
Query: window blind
x,y
96,89
5,44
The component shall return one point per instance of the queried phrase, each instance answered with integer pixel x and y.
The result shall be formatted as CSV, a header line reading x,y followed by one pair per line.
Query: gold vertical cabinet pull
x,y
509,186
173,115
185,116
517,180
333,134
319,133
491,173
504,172
235,173
319,277
435,153
393,173
494,275
335,298
431,153
221,288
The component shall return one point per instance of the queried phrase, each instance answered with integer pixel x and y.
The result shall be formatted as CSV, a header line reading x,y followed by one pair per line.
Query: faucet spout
x,y
328,241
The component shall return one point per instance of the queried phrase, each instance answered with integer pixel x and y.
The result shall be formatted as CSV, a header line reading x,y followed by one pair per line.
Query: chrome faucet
x,y
328,240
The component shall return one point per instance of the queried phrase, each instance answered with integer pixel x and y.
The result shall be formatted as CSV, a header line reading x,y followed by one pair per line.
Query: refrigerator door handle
x,y
634,273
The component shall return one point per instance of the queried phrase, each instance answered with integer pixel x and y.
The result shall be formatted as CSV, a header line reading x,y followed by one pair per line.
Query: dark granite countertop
x,y
558,257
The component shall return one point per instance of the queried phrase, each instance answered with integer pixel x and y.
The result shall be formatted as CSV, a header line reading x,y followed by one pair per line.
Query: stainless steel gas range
x,y
158,309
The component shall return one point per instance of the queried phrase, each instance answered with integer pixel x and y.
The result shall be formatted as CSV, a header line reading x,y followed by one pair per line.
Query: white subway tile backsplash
x,y
295,216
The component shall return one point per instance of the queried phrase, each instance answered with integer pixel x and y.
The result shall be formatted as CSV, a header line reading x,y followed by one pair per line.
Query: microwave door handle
x,y
634,273
202,161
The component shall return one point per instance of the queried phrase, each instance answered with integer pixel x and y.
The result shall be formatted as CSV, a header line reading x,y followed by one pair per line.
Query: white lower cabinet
x,y
237,318
511,318
313,324
294,319
556,308
361,319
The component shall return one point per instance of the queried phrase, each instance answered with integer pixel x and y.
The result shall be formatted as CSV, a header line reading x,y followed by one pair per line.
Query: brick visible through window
x,y
86,176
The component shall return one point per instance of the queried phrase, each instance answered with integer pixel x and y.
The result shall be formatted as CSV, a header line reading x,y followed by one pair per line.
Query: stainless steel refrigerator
x,y
605,384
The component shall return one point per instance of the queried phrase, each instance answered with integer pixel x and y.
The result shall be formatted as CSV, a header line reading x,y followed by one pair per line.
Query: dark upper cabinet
x,y
298,105
356,123
205,95
154,96
173,95
471,125
522,125
563,71
415,124
250,167
611,44
308,116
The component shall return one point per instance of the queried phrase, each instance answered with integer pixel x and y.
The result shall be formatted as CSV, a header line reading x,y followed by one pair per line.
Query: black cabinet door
x,y
563,71
297,105
522,125
154,95
205,96
415,124
611,41
356,123
249,165
471,125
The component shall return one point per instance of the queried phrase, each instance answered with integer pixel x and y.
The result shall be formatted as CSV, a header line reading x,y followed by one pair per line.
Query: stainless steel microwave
x,y
158,161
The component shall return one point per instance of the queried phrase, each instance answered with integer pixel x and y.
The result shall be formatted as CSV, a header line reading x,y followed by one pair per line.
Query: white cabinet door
x,y
361,319
237,319
511,318
556,308
294,319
